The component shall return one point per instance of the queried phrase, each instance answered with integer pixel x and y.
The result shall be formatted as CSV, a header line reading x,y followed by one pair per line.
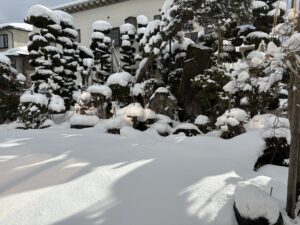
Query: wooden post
x,y
294,118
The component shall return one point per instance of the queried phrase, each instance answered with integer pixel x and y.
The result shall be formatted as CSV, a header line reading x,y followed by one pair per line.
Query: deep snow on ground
x,y
62,176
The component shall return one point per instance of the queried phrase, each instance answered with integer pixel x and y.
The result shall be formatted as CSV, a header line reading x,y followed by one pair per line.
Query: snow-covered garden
x,y
162,130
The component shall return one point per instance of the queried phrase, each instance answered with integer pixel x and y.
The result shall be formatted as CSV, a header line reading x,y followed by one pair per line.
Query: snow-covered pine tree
x,y
69,63
10,91
101,47
127,50
264,12
208,89
216,13
33,110
173,48
142,23
86,63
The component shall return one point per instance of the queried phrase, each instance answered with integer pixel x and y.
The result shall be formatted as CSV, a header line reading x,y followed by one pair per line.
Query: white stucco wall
x,y
16,38
115,14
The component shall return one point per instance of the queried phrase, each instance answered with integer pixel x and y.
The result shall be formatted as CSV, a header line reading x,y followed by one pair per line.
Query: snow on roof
x,y
19,26
4,59
17,51
80,5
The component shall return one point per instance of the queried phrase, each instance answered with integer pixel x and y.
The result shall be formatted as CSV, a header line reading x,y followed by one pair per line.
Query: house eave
x,y
86,5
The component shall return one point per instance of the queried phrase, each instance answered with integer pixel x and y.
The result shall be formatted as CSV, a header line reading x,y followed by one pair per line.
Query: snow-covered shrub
x,y
56,105
33,110
188,129
203,123
101,100
136,114
83,105
164,119
253,204
120,84
10,90
255,81
231,123
85,113
162,128
208,89
277,137
138,93
150,86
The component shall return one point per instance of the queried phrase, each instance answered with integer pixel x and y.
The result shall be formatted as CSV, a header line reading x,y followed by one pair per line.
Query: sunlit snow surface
x,y
61,176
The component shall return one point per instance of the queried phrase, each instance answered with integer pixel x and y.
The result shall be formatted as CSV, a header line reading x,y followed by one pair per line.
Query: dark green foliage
x,y
32,115
208,89
121,94
10,91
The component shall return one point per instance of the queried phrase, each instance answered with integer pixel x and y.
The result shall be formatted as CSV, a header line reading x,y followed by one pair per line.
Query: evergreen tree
x,y
127,50
86,64
101,47
69,61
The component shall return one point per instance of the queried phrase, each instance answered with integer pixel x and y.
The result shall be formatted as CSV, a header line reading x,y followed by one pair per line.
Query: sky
x,y
15,10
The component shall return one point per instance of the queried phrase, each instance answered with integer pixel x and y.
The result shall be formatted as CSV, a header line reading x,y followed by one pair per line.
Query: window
x,y
78,39
157,17
115,36
132,20
3,41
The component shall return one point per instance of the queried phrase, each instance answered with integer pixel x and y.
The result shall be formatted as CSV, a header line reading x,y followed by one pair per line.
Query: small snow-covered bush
x,y
100,100
150,86
203,123
136,113
253,205
56,105
277,137
162,128
188,129
120,84
231,123
33,111
85,113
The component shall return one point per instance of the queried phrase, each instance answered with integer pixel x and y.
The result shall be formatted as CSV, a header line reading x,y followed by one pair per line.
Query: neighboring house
x,y
117,12
13,43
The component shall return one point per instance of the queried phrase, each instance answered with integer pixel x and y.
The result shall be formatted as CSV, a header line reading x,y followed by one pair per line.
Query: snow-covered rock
x,y
100,89
121,78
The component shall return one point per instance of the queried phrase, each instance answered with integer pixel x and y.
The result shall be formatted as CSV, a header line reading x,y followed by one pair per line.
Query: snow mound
x,y
132,110
28,97
127,28
253,202
84,120
122,79
141,19
101,26
57,104
100,89
201,120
